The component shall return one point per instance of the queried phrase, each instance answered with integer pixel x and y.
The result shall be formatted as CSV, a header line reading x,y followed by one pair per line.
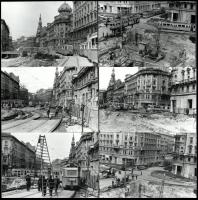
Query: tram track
x,y
35,123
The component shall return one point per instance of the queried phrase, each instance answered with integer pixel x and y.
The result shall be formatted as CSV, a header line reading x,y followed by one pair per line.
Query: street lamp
x,y
82,109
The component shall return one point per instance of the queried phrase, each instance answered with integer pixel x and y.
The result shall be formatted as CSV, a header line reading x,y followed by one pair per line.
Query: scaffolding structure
x,y
43,162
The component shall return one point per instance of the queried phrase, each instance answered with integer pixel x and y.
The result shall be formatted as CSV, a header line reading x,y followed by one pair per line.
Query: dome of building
x,y
64,8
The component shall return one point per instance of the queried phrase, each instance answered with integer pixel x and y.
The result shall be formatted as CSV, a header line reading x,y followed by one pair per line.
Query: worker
x,y
50,185
40,183
56,184
28,182
44,185
48,112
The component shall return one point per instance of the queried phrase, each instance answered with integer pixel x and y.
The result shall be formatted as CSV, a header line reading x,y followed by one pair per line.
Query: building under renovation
x,y
185,158
183,89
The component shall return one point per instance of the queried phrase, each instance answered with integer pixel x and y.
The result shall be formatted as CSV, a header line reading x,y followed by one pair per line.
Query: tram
x,y
70,176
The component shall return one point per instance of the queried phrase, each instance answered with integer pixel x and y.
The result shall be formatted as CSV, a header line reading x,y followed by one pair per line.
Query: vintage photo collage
x,y
98,99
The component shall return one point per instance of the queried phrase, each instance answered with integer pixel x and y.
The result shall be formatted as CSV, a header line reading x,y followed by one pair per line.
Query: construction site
x,y
37,172
142,42
158,122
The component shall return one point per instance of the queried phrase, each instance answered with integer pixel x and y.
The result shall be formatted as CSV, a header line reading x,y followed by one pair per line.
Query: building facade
x,y
134,148
185,157
56,35
10,89
5,34
183,89
16,154
84,20
85,92
111,8
85,154
63,88
149,86
24,96
44,96
182,11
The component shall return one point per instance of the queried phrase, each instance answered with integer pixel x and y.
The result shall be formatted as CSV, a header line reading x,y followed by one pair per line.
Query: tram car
x,y
70,176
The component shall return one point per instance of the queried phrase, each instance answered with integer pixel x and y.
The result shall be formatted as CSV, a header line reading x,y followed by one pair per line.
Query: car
x,y
141,167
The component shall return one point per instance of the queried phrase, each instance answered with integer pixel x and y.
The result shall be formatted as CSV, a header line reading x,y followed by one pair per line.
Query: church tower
x,y
112,80
72,149
39,29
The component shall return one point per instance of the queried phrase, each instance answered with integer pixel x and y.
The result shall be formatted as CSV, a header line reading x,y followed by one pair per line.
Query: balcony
x,y
116,146
189,80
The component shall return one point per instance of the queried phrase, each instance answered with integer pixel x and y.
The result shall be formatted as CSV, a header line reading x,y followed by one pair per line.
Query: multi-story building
x,y
185,157
85,87
16,154
5,33
85,155
85,84
182,11
134,148
56,35
44,95
102,97
183,89
149,86
84,20
85,27
9,88
24,96
112,8
63,88
118,93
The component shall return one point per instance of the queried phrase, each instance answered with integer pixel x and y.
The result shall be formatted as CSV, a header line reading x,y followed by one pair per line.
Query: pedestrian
x,y
44,185
50,185
40,183
48,112
56,184
112,184
28,182
136,177
141,172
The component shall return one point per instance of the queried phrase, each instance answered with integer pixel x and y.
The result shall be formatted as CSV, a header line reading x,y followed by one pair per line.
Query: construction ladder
x,y
42,160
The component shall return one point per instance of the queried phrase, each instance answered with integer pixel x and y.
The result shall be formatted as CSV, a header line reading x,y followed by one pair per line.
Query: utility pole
x,y
162,187
82,109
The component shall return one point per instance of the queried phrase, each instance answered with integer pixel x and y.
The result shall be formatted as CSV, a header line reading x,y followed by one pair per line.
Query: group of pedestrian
x,y
51,183
43,184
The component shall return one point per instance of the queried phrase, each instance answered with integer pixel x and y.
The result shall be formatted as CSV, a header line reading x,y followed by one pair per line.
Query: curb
x,y
56,125
73,195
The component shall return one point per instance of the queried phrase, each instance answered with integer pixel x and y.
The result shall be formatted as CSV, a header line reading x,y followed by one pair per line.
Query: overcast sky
x,y
120,73
34,78
58,143
22,17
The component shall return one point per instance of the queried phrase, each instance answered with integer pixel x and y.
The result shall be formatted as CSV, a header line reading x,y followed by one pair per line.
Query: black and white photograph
x,y
133,33
49,99
98,99
48,33
50,165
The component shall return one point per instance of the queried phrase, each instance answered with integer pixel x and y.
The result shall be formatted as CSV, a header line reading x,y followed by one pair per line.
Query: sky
x,y
22,17
34,78
59,144
120,73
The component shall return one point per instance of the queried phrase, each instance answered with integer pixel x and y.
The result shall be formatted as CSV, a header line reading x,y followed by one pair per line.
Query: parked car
x,y
142,167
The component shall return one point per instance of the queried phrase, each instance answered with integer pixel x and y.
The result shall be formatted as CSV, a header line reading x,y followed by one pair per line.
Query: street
x,y
33,193
179,188
38,122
